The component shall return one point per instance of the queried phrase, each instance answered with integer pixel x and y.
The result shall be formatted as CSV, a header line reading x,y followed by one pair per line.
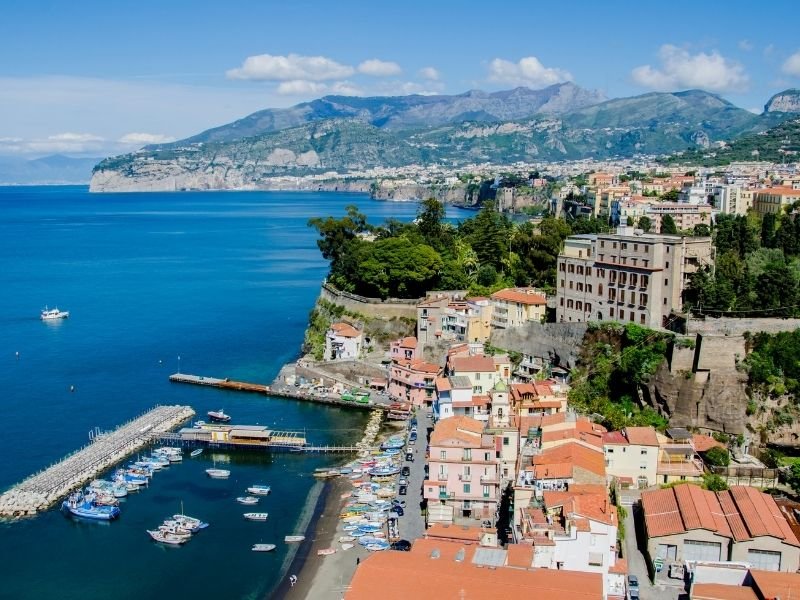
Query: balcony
x,y
439,477
465,477
490,479
446,495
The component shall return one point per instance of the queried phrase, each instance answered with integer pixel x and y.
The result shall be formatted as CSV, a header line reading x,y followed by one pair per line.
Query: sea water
x,y
210,283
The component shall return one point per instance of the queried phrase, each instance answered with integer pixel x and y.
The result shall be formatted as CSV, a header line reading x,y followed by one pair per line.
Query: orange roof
x,y
476,400
643,436
471,364
614,438
519,555
408,342
345,330
721,591
553,471
423,366
778,190
541,540
572,434
702,443
661,515
574,455
620,567
776,585
520,296
454,532
430,571
457,431
443,384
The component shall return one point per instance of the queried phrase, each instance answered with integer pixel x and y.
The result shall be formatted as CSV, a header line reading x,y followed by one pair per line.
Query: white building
x,y
342,342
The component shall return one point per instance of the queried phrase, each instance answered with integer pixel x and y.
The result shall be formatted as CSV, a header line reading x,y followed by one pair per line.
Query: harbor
x,y
42,490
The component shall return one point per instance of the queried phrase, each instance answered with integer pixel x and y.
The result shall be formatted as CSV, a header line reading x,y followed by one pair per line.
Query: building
x,y
631,456
732,199
557,468
512,307
538,398
451,391
404,349
481,370
687,523
677,457
466,320
342,342
413,381
627,276
686,216
463,470
774,200
435,569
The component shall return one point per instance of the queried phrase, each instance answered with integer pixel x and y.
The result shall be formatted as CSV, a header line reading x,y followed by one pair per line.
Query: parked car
x,y
633,582
399,502
398,510
410,456
401,545
403,490
403,481
405,471
633,594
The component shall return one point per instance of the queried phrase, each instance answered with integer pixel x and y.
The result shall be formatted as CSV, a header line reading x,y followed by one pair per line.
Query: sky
x,y
96,78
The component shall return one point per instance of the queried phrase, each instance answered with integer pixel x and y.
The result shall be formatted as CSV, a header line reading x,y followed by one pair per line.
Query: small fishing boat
x,y
263,547
53,314
197,452
248,500
256,516
219,416
84,505
166,538
198,424
218,473
326,551
259,490
294,538
192,524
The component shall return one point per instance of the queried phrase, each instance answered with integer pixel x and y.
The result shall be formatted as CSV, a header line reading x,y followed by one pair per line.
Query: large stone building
x,y
627,276
775,199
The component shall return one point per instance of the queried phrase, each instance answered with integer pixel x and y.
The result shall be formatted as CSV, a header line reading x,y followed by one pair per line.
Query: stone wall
x,y
371,307
729,326
559,342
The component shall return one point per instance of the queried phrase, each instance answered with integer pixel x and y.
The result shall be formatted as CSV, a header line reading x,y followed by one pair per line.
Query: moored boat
x,y
263,547
248,500
190,523
196,452
219,416
256,516
294,538
84,505
326,551
259,490
218,473
166,538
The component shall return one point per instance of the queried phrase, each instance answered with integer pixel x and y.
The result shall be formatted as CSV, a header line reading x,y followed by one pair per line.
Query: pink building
x,y
404,349
413,381
463,472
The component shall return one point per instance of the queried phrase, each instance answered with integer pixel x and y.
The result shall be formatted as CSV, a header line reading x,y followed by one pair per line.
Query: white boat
x,y
54,314
197,452
326,551
259,490
218,473
218,415
294,538
263,547
347,546
256,516
166,538
249,500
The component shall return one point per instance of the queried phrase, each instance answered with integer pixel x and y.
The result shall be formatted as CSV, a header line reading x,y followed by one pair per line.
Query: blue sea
x,y
211,283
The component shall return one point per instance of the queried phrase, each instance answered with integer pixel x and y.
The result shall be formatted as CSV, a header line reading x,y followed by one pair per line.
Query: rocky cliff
x,y
787,101
394,190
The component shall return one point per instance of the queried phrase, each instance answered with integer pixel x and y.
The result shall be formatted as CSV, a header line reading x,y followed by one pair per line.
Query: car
x,y
403,481
412,441
410,456
633,582
401,545
399,502
403,490
633,594
405,471
429,414
398,510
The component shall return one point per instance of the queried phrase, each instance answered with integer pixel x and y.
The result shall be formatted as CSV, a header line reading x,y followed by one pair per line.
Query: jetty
x,y
43,489
226,383
232,437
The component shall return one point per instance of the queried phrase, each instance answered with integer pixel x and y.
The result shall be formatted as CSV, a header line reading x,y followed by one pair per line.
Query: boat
x,y
347,546
166,538
326,551
294,538
192,524
218,473
219,416
256,516
249,500
84,505
346,538
176,528
197,452
259,490
263,547
54,314
198,424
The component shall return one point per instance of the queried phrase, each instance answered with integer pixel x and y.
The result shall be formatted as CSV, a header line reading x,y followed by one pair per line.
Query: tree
x,y
793,477
717,457
336,233
714,483
701,230
670,196
629,221
668,225
645,224
429,221
396,267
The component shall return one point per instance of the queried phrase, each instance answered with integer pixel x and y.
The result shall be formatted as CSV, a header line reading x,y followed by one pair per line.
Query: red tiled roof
x,y
443,384
614,438
542,540
661,514
408,342
776,585
702,443
463,429
553,471
721,591
643,436
423,366
573,454
345,330
520,296
454,532
470,364
620,567
519,555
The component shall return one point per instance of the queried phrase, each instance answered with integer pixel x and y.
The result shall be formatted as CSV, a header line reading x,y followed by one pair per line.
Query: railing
x,y
446,495
465,477
490,479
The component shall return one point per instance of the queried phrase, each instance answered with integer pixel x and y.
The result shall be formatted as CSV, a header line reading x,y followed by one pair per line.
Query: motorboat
x,y
294,538
248,500
53,314
196,452
256,516
259,490
176,528
164,537
347,546
326,551
219,416
84,505
218,473
190,523
263,547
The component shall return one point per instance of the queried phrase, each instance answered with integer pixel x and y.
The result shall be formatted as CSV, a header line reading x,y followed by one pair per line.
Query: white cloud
x,y
529,71
301,87
345,88
379,68
745,45
679,69
68,142
429,73
404,88
268,67
75,138
791,65
143,139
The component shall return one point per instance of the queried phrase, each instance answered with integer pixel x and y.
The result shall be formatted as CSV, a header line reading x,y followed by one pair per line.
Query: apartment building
x,y
513,307
632,456
773,200
627,276
733,199
686,216
342,342
413,381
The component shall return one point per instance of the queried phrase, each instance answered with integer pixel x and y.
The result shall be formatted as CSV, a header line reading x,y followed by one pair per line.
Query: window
x,y
588,270
614,245
643,451
467,455
570,304
632,296
610,450
562,301
634,279
636,247
562,283
624,246
466,488
562,267
599,289
588,307
579,287
666,282
602,243
641,319
667,265
579,305
665,301
596,559
580,270
622,315
486,491
486,456
632,317
442,454
611,312
643,299
644,281
505,439
623,278
571,269
570,285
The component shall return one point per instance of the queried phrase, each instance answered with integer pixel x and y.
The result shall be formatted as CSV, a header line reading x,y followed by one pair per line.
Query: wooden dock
x,y
226,383
43,489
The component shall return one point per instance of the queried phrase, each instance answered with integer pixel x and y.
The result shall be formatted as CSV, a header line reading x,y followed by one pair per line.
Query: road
x,y
412,523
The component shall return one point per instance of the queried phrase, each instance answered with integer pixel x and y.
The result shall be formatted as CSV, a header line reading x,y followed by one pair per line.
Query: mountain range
x,y
56,169
346,134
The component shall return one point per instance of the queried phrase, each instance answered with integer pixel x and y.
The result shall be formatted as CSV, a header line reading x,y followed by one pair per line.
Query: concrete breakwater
x,y
41,490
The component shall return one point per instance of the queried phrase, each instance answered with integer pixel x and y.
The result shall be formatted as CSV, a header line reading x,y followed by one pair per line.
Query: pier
x,y
226,383
38,492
